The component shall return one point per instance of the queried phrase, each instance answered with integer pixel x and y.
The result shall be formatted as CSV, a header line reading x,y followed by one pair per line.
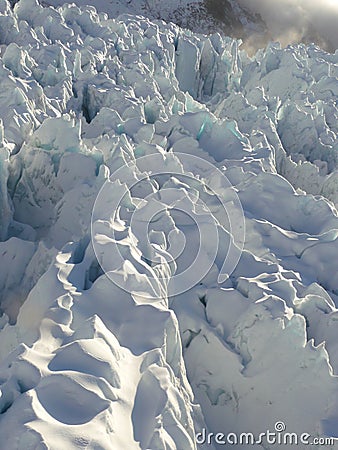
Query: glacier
x,y
169,234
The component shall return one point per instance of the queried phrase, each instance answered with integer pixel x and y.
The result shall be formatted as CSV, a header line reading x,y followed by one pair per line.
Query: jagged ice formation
x,y
87,364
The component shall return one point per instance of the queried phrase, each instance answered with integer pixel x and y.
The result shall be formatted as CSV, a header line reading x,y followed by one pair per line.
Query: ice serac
x,y
5,202
86,362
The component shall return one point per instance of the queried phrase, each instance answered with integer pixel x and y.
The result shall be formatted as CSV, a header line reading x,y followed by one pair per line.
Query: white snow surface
x,y
86,363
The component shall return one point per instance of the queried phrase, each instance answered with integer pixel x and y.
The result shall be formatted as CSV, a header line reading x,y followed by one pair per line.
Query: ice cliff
x,y
120,141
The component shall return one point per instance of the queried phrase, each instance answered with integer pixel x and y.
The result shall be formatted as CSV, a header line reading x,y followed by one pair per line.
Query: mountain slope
x,y
202,16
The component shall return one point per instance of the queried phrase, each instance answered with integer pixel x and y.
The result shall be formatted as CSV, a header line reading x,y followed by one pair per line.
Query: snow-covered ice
x,y
133,147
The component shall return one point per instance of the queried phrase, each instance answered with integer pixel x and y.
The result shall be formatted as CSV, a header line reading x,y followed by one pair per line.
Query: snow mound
x,y
168,234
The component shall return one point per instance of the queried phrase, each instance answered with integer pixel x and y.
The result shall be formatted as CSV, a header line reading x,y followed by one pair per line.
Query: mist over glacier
x,y
292,21
168,235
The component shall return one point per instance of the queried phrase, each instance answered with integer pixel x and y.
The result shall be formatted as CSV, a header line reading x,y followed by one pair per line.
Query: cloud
x,y
299,20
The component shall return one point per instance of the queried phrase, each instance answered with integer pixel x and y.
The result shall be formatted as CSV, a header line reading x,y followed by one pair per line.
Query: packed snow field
x,y
169,235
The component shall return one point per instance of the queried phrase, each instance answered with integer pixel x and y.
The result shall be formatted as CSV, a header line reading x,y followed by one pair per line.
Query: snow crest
x,y
122,142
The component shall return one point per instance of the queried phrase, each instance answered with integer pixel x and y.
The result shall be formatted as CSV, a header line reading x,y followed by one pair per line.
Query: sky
x,y
298,20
